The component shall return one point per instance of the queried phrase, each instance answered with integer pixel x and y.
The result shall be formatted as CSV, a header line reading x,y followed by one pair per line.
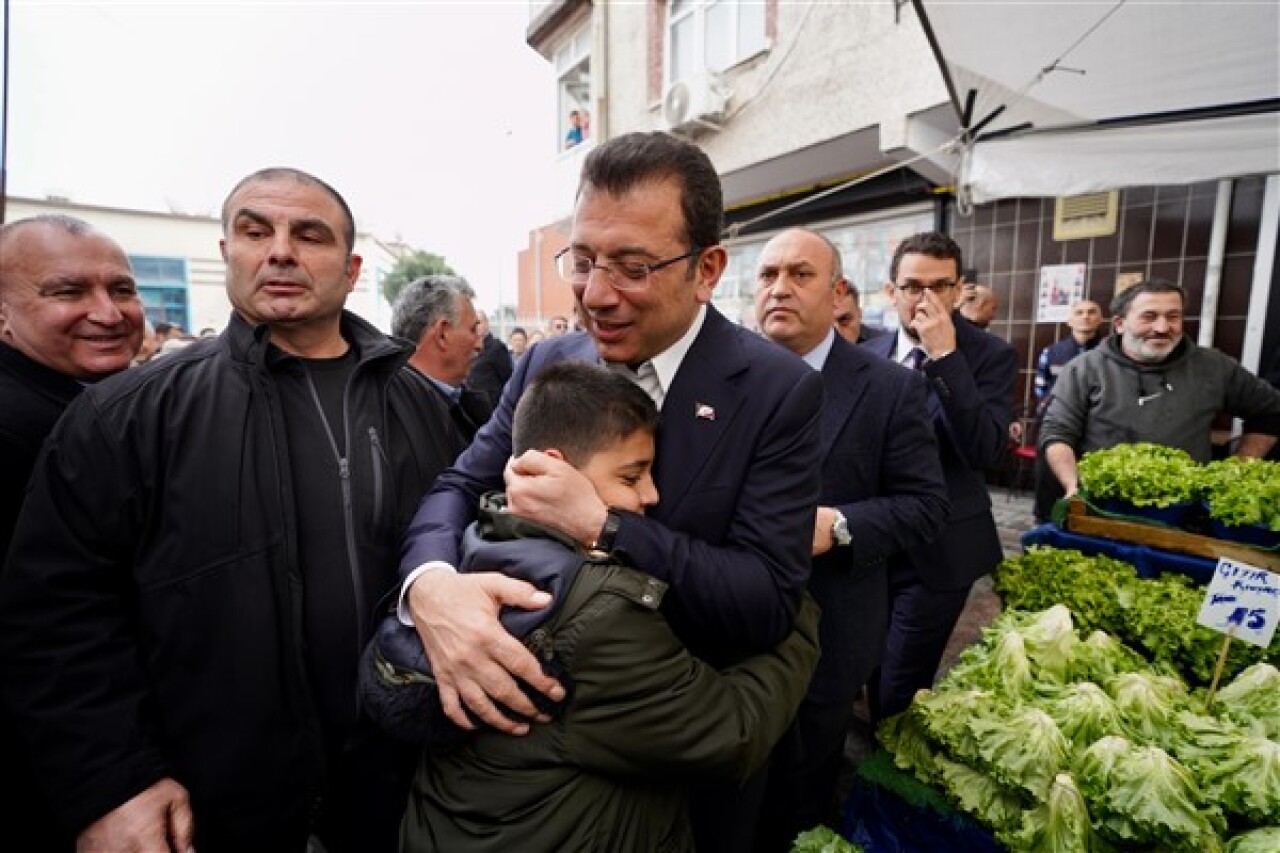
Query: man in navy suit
x,y
882,492
970,377
737,453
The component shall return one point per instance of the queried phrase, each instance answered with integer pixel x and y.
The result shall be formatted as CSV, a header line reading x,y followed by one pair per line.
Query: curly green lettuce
x,y
1023,749
1253,698
1243,492
1061,824
1262,840
1143,796
1147,702
1088,586
823,839
977,793
904,736
1246,781
1143,474
1084,713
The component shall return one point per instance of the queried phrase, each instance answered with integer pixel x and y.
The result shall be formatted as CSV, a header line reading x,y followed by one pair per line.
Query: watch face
x,y
840,531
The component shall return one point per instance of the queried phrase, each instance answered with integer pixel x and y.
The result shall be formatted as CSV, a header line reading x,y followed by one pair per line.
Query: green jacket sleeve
x,y
644,705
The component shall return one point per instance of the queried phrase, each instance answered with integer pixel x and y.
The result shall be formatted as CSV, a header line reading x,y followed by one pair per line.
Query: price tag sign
x,y
1243,601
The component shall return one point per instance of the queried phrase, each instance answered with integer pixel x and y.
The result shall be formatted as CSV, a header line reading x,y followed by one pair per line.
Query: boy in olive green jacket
x,y
643,716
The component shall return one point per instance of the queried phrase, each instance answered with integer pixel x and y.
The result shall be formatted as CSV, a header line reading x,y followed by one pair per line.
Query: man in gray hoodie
x,y
1149,382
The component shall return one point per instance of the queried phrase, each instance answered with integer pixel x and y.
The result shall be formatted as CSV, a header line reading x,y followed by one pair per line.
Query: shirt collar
x,y
666,363
903,347
817,356
450,391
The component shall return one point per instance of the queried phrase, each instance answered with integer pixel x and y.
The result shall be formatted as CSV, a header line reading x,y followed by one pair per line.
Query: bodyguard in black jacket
x,y
198,564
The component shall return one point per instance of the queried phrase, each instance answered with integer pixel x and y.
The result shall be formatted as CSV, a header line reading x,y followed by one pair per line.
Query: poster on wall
x,y
1126,280
1061,286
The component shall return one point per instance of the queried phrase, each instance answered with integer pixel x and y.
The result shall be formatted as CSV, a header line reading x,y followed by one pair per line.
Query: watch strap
x,y
608,532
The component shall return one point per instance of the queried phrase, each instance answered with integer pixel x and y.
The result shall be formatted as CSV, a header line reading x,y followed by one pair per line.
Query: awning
x,y
1063,98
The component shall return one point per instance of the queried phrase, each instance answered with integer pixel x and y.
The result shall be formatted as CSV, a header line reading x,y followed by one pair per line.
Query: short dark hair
x,y
517,330
163,328
1121,301
276,173
424,301
580,409
627,161
935,244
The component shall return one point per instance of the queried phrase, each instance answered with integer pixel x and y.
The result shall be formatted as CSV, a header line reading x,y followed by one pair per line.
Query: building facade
x,y
835,116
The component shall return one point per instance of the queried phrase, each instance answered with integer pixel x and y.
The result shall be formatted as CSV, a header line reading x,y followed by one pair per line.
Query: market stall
x,y
1098,712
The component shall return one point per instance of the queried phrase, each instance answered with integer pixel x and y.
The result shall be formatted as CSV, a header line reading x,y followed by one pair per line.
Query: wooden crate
x,y
1080,521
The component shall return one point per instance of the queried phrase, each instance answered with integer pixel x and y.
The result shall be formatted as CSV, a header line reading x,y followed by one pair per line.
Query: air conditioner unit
x,y
694,104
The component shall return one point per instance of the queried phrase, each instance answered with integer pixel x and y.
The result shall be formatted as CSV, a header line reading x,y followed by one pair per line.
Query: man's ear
x,y
711,265
439,329
354,262
841,287
555,454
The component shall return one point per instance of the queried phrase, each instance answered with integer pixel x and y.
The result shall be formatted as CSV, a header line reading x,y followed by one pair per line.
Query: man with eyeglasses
x,y
737,457
970,377
1149,382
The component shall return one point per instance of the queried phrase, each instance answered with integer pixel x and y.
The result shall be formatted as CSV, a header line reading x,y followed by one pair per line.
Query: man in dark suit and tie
x,y
737,453
436,314
882,492
970,377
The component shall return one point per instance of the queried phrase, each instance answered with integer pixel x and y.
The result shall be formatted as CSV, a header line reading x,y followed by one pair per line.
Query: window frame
x,y
162,285
697,10
572,57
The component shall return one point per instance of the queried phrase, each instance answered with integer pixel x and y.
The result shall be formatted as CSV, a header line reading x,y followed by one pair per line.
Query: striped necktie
x,y
646,376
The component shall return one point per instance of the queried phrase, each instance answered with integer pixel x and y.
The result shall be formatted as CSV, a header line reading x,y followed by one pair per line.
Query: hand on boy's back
x,y
552,492
474,659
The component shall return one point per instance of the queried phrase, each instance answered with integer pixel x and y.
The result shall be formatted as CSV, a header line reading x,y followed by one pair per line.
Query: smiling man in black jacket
x,y
195,571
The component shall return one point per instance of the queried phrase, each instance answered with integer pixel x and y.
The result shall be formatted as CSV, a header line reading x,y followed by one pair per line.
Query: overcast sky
x,y
433,118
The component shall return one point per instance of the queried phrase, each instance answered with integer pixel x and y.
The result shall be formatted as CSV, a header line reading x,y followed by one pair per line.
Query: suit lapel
x,y
699,408
845,383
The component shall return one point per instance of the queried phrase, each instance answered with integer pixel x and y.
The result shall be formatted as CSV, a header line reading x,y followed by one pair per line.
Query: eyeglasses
x,y
937,288
622,275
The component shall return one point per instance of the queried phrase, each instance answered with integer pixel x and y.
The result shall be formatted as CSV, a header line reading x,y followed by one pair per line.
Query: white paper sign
x,y
1060,287
1242,600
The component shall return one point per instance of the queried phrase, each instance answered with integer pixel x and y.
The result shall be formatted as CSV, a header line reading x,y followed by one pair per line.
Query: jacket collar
x,y
248,343
47,381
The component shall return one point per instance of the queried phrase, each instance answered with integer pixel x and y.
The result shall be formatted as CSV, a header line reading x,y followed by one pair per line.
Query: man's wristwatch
x,y
840,529
609,532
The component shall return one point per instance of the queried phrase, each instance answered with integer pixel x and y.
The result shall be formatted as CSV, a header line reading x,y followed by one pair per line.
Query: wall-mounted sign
x,y
1061,287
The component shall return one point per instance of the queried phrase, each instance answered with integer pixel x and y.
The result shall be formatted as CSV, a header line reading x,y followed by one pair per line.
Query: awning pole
x,y
1213,275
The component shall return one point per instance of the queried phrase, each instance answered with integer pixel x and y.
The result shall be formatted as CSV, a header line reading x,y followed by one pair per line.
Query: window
x,y
711,35
573,84
162,284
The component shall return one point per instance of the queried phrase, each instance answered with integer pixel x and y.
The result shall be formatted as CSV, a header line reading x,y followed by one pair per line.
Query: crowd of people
x,y
642,570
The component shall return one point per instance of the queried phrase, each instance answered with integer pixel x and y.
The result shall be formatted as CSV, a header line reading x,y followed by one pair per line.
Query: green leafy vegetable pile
x,y
1243,491
1156,617
1086,747
1143,474
823,839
